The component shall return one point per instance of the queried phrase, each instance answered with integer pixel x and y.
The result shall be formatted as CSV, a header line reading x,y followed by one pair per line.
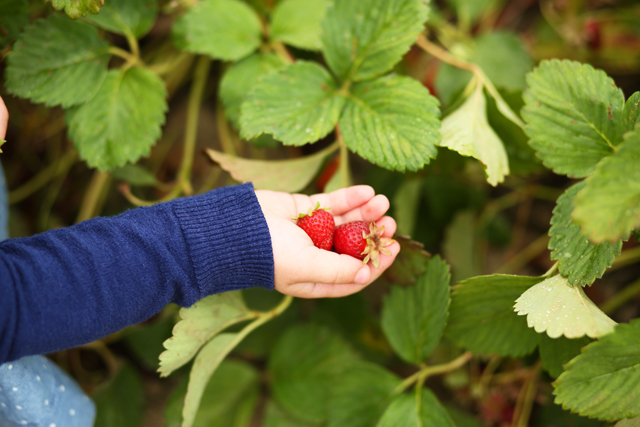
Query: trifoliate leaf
x,y
560,309
14,16
297,23
555,353
275,175
58,62
304,364
127,17
407,410
229,397
241,77
361,395
581,262
602,382
574,116
205,364
77,8
364,39
393,122
468,132
122,121
297,105
481,316
608,207
222,29
200,322
413,318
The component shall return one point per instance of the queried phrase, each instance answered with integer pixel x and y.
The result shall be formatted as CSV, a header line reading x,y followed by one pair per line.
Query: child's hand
x,y
304,271
4,119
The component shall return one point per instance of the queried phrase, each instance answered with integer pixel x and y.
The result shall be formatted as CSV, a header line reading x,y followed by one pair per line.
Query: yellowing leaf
x,y
559,309
199,324
468,132
276,175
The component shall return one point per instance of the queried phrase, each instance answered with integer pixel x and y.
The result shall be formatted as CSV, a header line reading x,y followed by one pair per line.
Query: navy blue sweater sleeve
x,y
67,287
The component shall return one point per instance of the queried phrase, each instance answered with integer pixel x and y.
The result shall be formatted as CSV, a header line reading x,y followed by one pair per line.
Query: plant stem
x,y
183,183
133,45
223,132
282,52
435,50
428,371
98,185
55,169
526,397
619,299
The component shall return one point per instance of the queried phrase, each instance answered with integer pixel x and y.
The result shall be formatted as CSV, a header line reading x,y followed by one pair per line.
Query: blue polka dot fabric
x,y
34,391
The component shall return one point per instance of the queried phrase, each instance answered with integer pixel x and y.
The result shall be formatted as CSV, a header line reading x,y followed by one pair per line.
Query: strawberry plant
x,y
499,130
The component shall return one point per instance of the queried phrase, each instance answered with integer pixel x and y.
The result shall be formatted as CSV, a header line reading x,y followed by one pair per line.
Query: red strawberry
x,y
361,240
319,225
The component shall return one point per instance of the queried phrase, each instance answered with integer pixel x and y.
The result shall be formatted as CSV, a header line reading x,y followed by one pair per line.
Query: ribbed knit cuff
x,y
228,239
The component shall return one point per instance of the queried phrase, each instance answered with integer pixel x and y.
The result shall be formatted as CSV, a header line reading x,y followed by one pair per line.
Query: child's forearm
x,y
71,286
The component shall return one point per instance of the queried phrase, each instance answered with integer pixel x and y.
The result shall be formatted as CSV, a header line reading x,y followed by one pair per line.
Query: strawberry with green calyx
x,y
361,240
319,224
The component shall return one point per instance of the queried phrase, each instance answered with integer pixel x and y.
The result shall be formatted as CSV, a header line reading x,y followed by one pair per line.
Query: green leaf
x,y
58,62
205,364
409,264
223,29
602,382
560,309
392,122
555,353
297,105
14,16
581,262
276,417
407,410
122,121
228,399
364,39
127,17
467,131
121,402
405,203
460,246
276,175
241,77
469,10
631,112
304,364
574,116
361,395
135,175
201,322
77,8
413,318
297,23
481,316
608,207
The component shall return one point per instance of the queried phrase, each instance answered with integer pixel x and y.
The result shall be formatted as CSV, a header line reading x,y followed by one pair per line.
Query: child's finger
x,y
4,119
340,201
370,211
319,266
